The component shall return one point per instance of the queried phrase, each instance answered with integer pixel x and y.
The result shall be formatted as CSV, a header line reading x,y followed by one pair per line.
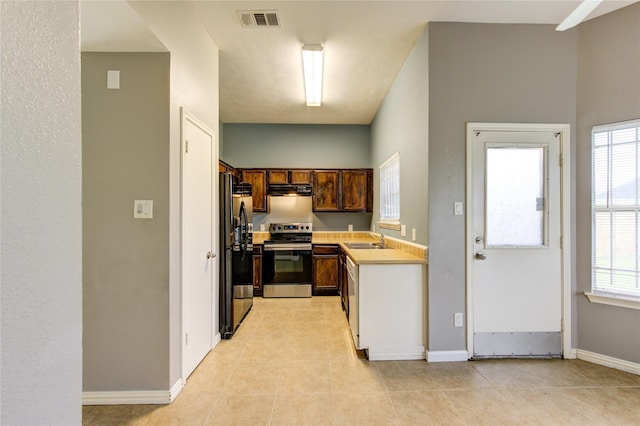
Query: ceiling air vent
x,y
259,18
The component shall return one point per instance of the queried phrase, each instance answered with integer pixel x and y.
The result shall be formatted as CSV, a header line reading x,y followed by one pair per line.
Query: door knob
x,y
210,255
480,256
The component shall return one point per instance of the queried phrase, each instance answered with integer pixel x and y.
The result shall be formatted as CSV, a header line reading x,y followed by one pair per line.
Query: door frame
x,y
214,338
565,221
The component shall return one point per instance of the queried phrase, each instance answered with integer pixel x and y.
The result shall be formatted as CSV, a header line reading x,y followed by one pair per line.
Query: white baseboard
x,y
447,356
176,389
608,361
133,397
395,353
216,340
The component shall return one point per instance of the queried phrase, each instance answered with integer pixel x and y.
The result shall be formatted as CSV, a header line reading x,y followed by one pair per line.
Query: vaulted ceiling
x,y
365,44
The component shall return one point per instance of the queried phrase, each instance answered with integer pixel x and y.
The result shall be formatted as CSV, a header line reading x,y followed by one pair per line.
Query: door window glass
x,y
515,196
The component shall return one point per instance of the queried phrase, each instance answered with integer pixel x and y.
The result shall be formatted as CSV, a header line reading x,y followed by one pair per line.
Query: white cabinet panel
x,y
392,311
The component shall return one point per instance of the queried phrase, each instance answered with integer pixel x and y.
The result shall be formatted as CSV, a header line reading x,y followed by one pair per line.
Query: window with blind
x,y
616,210
390,192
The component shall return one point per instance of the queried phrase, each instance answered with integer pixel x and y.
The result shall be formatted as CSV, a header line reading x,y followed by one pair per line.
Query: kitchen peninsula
x,y
383,290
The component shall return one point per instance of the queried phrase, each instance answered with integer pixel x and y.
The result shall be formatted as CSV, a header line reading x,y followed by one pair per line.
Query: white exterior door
x,y
514,242
197,244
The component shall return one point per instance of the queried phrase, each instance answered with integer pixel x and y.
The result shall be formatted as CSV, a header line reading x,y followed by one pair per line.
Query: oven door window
x,y
288,263
286,267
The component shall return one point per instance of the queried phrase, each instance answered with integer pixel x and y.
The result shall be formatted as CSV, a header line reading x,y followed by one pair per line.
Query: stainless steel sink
x,y
365,246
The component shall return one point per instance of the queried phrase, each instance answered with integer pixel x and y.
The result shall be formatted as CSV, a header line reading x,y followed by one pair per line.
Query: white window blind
x,y
390,190
616,209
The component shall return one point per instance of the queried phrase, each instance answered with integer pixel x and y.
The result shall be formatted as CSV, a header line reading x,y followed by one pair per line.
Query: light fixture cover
x,y
312,67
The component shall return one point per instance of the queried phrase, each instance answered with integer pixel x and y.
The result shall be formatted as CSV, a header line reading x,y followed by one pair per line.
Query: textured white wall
x,y
41,214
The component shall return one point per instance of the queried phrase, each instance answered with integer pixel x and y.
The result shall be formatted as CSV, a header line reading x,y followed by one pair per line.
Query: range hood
x,y
281,189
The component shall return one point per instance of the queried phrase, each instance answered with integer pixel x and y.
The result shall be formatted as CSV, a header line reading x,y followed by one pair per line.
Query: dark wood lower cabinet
x,y
343,281
325,270
257,270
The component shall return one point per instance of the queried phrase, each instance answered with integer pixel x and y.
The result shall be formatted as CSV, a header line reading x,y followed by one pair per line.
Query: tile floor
x,y
292,362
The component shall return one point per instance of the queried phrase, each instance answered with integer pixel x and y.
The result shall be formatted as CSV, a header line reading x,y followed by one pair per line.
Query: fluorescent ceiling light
x,y
312,66
578,15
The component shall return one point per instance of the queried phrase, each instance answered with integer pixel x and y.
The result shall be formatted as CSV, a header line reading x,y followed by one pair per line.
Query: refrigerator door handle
x,y
244,223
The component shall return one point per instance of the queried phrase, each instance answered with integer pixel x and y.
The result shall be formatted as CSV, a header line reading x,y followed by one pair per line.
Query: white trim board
x,y
133,397
215,340
613,300
608,361
386,353
447,356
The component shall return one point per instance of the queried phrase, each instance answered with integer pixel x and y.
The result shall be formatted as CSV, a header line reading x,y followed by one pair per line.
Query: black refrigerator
x,y
236,249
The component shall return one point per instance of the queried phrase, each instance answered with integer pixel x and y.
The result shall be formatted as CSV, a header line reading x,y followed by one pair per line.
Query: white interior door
x,y
515,244
197,248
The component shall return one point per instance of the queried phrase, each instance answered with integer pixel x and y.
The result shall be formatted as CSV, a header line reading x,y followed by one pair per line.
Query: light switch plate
x,y
403,230
350,227
143,209
457,208
413,234
113,79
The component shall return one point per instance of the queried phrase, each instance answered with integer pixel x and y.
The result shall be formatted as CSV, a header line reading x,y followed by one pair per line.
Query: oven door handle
x,y
287,247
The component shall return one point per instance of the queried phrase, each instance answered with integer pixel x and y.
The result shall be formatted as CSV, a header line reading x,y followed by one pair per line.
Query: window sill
x,y
620,301
389,225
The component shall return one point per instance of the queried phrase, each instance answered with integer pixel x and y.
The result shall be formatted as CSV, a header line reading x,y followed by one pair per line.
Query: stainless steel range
x,y
287,267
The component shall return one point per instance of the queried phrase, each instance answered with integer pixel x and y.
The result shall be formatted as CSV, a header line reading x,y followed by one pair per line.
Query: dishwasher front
x,y
352,291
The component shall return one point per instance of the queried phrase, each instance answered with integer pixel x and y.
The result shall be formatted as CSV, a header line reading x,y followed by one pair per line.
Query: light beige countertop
x,y
260,236
381,256
337,237
398,251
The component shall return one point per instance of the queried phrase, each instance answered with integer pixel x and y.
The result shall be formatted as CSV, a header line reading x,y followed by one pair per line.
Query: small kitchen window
x,y
390,193
615,201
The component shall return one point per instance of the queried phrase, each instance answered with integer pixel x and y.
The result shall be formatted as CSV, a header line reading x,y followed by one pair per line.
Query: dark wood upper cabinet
x,y
334,190
348,190
354,190
370,190
278,176
258,179
300,177
326,186
294,176
224,167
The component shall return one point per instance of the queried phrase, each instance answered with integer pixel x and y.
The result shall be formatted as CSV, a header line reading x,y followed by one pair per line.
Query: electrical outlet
x,y
413,234
350,227
403,230
262,227
458,319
